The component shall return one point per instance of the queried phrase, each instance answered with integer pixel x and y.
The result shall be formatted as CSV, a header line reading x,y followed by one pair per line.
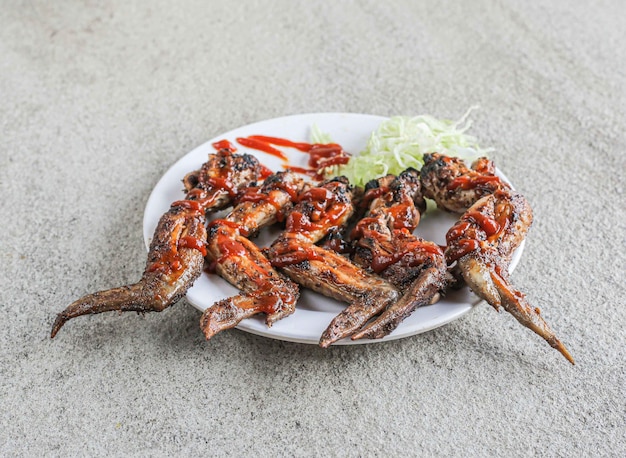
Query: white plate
x,y
314,312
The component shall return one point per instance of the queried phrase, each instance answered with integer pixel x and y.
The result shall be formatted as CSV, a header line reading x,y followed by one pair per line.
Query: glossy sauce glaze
x,y
319,208
240,228
224,144
320,155
410,254
193,242
295,254
229,247
466,182
208,187
476,226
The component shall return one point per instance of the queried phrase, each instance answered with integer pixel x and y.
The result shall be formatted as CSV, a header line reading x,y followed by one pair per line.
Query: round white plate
x,y
314,311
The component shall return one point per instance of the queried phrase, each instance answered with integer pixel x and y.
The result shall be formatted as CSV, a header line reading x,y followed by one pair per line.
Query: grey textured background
x,y
98,99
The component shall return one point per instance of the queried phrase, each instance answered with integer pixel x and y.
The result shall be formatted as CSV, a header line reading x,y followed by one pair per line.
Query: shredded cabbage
x,y
318,136
401,141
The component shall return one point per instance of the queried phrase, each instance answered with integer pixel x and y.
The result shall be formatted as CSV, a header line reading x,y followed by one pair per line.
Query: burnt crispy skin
x,y
242,263
495,226
375,235
420,275
172,266
424,290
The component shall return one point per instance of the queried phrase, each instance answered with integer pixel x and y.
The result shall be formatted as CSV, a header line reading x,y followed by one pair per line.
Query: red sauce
x,y
308,172
266,303
380,262
300,254
325,156
404,216
167,264
268,300
230,248
253,195
362,228
299,222
458,246
261,146
411,254
487,224
257,197
324,203
304,147
318,195
321,155
337,160
192,242
224,144
223,183
373,194
484,166
265,171
466,182
337,244
241,229
461,248
193,205
291,190
169,260
336,214
504,219
320,151
457,230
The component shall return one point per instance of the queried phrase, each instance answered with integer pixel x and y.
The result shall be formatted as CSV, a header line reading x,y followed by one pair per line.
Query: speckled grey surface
x,y
97,101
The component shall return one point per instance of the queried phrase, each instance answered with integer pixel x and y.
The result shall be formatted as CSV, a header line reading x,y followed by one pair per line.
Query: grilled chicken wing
x,y
335,276
176,254
384,244
242,263
321,210
482,243
494,224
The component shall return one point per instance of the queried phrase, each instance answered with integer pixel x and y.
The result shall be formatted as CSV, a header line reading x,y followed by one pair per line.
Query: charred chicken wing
x,y
177,250
241,262
494,223
384,244
323,209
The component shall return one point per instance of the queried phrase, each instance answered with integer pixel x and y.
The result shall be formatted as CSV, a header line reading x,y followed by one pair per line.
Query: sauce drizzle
x,y
321,155
224,144
466,182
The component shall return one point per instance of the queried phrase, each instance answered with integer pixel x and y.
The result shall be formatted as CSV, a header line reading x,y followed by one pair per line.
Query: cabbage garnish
x,y
319,137
401,141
